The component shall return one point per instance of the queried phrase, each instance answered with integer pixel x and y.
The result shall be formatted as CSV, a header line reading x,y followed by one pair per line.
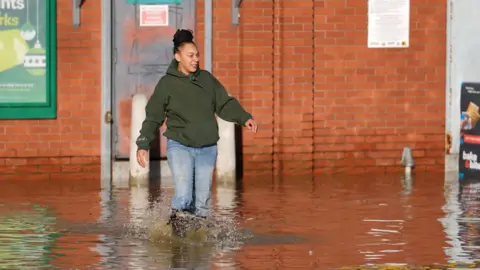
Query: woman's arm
x,y
155,115
227,107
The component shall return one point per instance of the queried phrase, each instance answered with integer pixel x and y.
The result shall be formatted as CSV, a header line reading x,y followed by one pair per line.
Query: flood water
x,y
289,222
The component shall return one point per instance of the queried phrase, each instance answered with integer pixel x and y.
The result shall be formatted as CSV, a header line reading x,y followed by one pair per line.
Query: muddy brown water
x,y
341,222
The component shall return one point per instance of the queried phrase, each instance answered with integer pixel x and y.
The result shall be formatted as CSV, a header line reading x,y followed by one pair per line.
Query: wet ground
x,y
352,222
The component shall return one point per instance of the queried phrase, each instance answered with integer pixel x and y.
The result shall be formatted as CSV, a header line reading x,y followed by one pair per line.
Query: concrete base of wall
x,y
451,163
160,174
451,177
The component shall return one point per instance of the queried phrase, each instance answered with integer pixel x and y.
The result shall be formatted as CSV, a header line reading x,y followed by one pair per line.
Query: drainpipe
x,y
407,160
225,167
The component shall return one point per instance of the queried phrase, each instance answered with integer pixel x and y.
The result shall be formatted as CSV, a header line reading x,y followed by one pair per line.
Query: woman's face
x,y
188,58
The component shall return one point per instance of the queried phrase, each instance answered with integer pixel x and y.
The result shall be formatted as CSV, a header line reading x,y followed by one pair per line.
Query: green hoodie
x,y
189,103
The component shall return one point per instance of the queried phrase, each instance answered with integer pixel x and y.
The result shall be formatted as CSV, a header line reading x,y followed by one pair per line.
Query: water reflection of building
x,y
68,202
461,221
345,221
25,237
469,197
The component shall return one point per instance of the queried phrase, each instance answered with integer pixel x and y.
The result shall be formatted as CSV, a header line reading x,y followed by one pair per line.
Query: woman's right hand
x,y
142,157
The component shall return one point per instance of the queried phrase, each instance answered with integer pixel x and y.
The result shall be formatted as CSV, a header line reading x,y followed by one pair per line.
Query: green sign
x,y
28,59
178,2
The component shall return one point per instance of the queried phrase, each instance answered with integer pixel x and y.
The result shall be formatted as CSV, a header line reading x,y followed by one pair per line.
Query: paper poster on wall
x,y
388,23
154,15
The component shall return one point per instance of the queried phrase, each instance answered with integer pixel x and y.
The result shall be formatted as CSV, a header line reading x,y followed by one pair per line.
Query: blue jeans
x,y
192,171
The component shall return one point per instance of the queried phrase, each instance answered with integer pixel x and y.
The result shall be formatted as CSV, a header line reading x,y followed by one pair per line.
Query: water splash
x,y
221,230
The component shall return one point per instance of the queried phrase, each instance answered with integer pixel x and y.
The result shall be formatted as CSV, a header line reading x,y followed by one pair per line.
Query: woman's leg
x,y
204,165
181,163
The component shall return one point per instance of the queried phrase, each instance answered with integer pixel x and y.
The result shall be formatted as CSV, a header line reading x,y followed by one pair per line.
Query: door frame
x,y
106,94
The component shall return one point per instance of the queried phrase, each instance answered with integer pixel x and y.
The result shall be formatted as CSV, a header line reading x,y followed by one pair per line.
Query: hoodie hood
x,y
173,70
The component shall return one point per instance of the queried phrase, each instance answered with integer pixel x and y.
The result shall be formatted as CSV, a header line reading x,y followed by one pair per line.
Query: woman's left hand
x,y
252,125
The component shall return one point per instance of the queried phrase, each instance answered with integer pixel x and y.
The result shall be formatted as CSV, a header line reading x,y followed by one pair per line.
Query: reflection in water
x,y
321,223
388,234
407,184
462,219
25,237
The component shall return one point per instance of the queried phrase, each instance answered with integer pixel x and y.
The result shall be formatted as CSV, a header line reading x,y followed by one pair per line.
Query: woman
x,y
189,97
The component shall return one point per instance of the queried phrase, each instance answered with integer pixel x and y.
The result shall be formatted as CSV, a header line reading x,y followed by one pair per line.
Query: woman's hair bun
x,y
182,36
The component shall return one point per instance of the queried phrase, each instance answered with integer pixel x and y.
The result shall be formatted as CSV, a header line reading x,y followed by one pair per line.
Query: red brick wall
x,y
71,143
324,101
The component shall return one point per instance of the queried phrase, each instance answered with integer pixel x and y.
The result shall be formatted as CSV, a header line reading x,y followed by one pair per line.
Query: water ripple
x,y
356,222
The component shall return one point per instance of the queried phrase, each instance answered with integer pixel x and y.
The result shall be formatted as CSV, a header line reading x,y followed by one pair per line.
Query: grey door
x,y
141,55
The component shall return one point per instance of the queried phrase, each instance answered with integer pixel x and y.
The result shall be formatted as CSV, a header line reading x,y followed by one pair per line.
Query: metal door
x,y
141,55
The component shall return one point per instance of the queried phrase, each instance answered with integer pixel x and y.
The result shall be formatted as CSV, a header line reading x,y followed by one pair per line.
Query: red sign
x,y
154,15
